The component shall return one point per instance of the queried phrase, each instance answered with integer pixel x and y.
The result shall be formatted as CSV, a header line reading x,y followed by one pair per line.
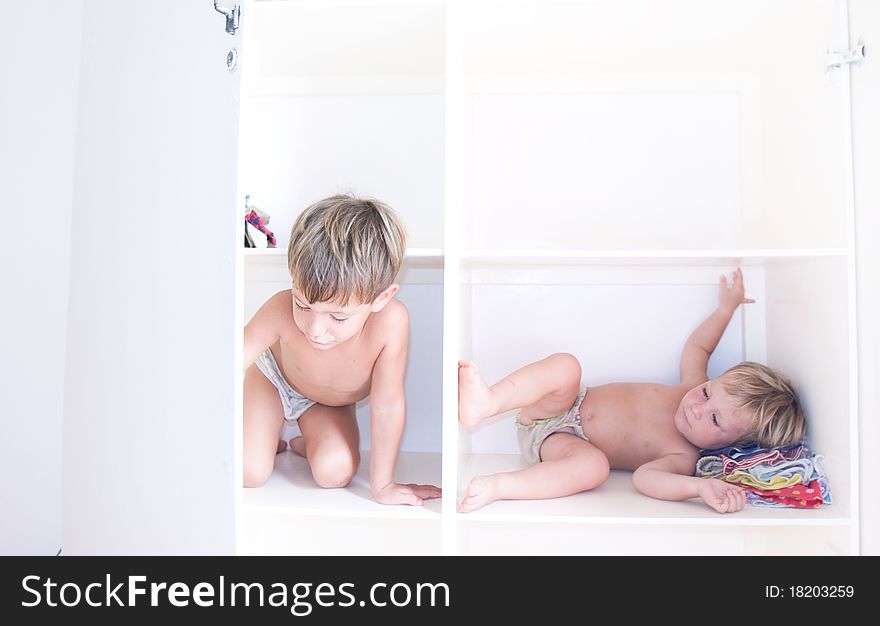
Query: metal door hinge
x,y
233,16
835,59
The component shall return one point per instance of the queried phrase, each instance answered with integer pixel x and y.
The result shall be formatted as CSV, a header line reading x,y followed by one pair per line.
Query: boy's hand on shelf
x,y
721,496
395,493
731,296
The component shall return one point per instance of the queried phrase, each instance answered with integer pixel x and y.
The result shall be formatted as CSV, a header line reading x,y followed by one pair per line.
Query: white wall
x,y
300,149
38,106
518,320
611,160
149,390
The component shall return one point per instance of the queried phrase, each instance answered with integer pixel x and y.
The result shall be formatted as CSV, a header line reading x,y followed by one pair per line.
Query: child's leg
x,y
329,441
568,465
543,389
263,420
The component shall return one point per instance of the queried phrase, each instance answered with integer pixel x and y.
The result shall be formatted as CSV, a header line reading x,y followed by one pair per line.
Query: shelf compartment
x,y
349,47
586,124
607,310
292,490
291,515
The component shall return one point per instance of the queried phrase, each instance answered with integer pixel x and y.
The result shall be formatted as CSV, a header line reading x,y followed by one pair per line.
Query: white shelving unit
x,y
575,176
615,159
338,97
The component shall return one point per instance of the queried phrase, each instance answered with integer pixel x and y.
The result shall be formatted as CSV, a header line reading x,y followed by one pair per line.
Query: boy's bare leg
x,y
569,465
330,441
542,389
263,421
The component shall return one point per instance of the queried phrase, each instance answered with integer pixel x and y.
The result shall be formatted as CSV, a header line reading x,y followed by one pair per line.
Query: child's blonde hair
x,y
779,418
344,249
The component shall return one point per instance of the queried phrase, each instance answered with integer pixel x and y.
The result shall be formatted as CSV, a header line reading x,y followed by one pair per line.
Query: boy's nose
x,y
316,330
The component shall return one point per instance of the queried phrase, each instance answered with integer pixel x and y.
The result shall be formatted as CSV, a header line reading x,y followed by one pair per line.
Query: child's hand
x,y
395,493
721,496
734,295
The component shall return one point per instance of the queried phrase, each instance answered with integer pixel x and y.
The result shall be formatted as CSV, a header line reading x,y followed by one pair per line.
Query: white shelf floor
x,y
291,489
618,502
291,515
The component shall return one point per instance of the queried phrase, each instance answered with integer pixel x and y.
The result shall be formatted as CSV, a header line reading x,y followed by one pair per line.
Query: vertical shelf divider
x,y
852,303
453,201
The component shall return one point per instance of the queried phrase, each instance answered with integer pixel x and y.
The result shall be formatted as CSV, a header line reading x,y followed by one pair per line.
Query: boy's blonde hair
x,y
345,249
779,418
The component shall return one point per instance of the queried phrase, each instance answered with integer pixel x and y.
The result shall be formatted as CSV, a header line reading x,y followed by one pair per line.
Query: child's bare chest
x,y
335,377
632,423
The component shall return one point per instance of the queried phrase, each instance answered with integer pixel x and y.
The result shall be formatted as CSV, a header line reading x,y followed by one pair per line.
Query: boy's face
x,y
708,416
328,324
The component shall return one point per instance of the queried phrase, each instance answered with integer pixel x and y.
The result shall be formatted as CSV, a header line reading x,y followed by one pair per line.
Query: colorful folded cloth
x,y
735,451
771,457
775,482
709,467
765,472
790,476
807,496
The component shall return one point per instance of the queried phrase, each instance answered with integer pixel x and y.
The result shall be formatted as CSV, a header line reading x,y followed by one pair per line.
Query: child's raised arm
x,y
704,340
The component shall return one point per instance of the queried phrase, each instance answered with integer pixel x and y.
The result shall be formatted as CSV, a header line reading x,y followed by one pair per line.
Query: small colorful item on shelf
x,y
791,476
256,219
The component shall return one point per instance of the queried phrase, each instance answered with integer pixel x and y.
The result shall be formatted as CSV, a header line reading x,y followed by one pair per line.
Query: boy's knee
x,y
333,469
256,474
569,367
598,469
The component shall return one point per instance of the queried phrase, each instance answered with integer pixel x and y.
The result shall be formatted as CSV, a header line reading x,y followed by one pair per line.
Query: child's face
x,y
709,418
328,324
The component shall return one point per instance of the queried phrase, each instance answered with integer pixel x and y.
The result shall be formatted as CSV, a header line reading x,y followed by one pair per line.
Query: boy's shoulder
x,y
276,310
392,321
282,296
280,303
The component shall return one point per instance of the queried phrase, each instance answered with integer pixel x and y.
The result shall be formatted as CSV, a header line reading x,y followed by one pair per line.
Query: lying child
x,y
572,438
338,335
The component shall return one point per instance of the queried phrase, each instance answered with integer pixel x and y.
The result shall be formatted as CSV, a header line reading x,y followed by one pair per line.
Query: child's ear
x,y
384,298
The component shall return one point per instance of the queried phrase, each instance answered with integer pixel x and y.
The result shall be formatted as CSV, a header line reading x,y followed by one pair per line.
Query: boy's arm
x,y
704,340
388,414
671,478
263,329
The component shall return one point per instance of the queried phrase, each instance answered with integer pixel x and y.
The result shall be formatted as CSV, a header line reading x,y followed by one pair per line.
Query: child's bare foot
x,y
474,396
480,492
282,446
298,445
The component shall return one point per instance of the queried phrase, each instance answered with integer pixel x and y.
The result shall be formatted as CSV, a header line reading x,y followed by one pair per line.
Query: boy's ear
x,y
384,298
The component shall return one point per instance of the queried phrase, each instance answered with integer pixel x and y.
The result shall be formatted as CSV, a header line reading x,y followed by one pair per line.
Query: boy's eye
x,y
705,394
714,419
301,308
338,319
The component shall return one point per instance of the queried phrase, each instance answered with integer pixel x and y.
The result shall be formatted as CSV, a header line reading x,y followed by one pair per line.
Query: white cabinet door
x,y
38,108
149,389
